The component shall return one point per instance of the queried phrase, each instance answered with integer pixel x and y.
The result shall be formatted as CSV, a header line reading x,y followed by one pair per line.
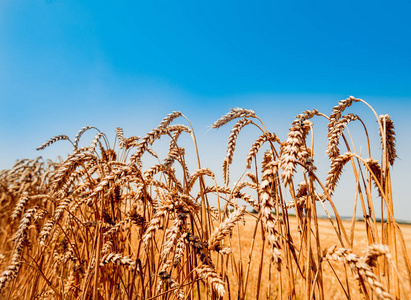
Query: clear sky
x,y
65,64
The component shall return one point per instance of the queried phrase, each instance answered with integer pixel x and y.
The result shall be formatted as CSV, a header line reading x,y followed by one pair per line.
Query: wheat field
x,y
101,224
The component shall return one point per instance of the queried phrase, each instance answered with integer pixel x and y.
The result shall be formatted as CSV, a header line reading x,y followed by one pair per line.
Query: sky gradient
x,y
65,64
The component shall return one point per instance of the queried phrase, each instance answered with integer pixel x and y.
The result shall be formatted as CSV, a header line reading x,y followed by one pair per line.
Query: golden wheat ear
x,y
339,109
121,139
234,114
335,133
155,134
53,140
335,171
169,118
80,133
225,229
265,137
232,140
388,136
208,274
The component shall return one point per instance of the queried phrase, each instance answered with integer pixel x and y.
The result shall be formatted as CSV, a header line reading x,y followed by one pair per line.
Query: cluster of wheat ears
x,y
98,225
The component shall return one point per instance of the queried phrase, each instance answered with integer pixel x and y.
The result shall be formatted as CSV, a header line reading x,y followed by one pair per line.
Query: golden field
x,y
269,289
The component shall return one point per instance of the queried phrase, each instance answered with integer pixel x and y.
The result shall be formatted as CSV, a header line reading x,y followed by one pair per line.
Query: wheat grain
x,y
153,226
131,142
95,141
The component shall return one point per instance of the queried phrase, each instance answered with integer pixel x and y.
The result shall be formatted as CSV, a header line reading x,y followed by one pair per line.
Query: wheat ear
x,y
360,266
53,140
197,174
150,138
234,114
232,140
267,187
290,149
19,241
224,229
335,133
335,171
173,155
119,259
389,135
208,274
172,235
179,251
48,226
20,207
80,133
265,137
169,118
338,110
121,139
378,174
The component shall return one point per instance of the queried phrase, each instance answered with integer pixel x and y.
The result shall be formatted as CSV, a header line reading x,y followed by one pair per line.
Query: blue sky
x,y
65,64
